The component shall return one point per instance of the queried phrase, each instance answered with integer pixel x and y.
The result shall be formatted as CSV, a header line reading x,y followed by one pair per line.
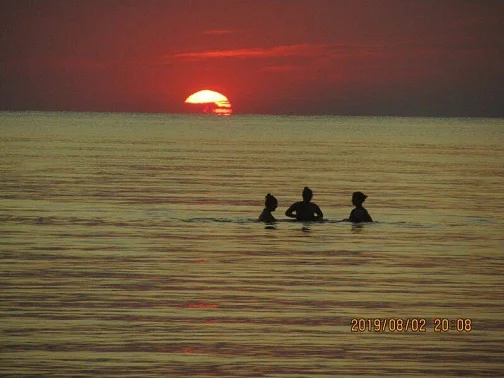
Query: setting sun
x,y
210,102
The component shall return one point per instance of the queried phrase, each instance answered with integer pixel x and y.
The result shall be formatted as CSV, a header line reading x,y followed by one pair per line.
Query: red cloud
x,y
282,68
218,32
322,51
277,51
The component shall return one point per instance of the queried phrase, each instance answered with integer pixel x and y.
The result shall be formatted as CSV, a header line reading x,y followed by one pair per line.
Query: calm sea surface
x,y
130,248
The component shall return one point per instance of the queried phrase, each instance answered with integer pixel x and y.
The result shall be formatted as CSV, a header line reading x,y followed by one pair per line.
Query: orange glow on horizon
x,y
216,103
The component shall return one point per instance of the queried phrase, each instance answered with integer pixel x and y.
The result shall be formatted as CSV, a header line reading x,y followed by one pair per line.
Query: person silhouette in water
x,y
270,205
305,210
359,214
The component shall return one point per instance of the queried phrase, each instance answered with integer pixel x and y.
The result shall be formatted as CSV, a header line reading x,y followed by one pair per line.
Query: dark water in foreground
x,y
129,246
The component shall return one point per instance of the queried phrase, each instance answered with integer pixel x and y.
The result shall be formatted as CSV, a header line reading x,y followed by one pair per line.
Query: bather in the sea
x,y
270,205
359,214
305,210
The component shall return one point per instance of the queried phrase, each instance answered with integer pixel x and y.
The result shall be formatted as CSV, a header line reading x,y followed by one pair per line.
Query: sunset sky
x,y
354,57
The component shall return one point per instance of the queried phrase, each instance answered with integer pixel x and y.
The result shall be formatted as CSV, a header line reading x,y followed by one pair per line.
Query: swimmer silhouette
x,y
359,214
270,205
305,210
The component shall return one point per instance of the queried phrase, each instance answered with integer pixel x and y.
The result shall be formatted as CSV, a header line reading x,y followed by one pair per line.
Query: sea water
x,y
130,246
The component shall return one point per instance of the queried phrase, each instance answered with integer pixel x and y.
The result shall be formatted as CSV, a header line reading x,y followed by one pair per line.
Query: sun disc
x,y
216,103
205,96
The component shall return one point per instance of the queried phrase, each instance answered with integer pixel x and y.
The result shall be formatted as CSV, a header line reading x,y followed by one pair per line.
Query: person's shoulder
x,y
365,211
368,217
352,215
360,215
264,215
357,214
267,218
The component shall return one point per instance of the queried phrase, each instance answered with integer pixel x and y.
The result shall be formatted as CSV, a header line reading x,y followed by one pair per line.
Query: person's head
x,y
358,198
271,202
307,194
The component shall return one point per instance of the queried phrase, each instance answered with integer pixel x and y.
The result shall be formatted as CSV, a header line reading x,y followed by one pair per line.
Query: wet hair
x,y
307,194
359,196
270,201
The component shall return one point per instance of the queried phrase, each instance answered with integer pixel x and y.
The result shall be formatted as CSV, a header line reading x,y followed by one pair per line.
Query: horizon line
x,y
251,114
